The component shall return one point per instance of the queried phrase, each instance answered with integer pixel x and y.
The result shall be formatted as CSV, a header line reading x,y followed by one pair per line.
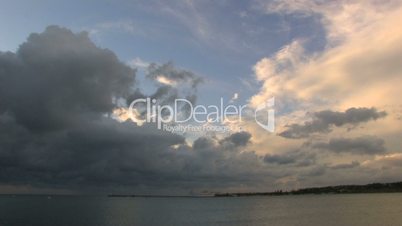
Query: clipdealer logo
x,y
204,115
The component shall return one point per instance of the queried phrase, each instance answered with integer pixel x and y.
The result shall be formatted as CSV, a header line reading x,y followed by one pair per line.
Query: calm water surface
x,y
309,210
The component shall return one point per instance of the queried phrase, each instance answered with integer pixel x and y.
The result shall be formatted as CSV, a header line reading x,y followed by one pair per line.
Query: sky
x,y
70,69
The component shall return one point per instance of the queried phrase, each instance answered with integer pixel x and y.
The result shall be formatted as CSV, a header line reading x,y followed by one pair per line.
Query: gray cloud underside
x,y
360,145
351,165
56,93
323,121
298,158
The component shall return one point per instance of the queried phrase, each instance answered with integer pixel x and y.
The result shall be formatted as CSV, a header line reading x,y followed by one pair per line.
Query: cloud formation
x,y
58,79
58,93
167,74
333,98
297,158
323,121
361,145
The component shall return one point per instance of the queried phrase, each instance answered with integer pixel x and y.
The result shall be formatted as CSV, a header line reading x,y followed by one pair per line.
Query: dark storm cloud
x,y
346,165
56,93
203,143
297,158
56,90
57,78
280,159
361,145
323,121
315,171
239,139
101,152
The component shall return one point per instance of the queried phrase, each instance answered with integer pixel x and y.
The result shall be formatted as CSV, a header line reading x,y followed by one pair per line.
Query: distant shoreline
x,y
161,196
395,187
372,188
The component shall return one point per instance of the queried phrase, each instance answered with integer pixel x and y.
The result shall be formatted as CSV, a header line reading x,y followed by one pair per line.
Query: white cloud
x,y
234,98
166,81
138,63
360,67
360,71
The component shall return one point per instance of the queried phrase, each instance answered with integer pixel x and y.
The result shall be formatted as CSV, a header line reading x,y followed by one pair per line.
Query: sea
x,y
308,210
